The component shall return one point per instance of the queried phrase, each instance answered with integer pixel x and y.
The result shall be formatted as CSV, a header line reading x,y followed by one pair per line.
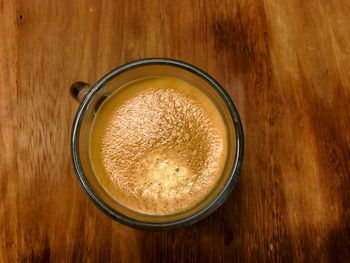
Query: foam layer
x,y
158,145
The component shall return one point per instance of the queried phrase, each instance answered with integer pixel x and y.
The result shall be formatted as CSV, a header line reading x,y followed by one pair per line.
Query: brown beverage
x,y
158,145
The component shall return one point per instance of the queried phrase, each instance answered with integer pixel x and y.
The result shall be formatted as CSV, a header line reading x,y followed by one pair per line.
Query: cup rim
x,y
157,226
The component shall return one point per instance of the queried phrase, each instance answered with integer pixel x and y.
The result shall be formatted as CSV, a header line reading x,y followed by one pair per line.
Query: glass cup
x,y
91,98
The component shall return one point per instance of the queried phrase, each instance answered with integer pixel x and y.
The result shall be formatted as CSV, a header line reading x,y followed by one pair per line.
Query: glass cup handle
x,y
79,90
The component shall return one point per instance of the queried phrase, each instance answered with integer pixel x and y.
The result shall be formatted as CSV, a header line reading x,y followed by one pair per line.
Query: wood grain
x,y
285,64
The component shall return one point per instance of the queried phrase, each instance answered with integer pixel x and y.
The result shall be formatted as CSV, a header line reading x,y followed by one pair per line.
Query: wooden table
x,y
286,65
